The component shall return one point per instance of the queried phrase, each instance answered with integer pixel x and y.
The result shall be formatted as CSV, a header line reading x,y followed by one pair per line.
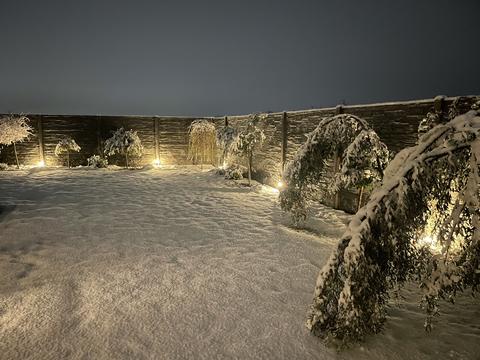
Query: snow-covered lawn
x,y
178,264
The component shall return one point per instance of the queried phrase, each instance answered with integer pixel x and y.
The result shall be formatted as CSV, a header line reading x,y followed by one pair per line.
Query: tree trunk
x,y
250,170
68,159
16,156
336,166
360,195
126,160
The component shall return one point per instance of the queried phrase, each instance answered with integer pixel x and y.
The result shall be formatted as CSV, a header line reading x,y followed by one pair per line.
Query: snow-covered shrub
x,y
126,143
3,166
226,137
96,161
358,152
234,172
66,146
248,141
202,142
383,245
14,129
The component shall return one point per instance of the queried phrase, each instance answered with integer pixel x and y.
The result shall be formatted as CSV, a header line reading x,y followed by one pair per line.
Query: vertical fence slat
x,y
284,139
99,136
41,152
156,130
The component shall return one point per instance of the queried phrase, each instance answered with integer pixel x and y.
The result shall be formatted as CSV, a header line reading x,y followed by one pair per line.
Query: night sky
x,y
232,57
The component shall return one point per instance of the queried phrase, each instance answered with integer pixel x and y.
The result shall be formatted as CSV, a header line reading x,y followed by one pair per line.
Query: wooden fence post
x,y
40,140
156,131
99,136
226,120
284,139
439,104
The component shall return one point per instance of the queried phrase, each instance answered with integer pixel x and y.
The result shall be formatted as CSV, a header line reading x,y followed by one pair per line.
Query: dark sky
x,y
232,57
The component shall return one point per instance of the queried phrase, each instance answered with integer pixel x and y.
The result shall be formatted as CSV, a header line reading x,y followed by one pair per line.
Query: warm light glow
x,y
269,190
280,185
427,240
41,163
156,162
431,242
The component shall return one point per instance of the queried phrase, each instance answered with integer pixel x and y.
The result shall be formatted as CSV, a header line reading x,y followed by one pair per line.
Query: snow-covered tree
x,y
385,243
359,158
14,129
65,146
226,137
248,141
435,117
126,143
202,142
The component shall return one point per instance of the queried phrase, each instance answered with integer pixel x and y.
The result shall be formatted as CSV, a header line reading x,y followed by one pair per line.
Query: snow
x,y
175,263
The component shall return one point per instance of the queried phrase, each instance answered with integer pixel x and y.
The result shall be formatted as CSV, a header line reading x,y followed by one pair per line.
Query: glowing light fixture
x,y
280,185
41,163
156,162
430,241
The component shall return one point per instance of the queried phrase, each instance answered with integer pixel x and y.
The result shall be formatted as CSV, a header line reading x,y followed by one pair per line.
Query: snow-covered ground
x,y
178,264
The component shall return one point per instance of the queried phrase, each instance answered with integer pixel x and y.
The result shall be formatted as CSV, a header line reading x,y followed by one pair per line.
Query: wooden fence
x,y
166,137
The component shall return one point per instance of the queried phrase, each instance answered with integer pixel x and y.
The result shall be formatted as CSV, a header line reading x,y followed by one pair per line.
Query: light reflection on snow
x,y
265,189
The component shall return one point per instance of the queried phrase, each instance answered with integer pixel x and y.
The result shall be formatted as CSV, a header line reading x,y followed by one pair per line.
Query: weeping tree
x,y
359,156
226,138
126,143
65,146
385,242
14,129
249,141
202,142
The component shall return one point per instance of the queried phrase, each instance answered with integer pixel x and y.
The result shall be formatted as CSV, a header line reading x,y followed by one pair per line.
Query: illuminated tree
x,y
202,142
126,143
65,146
14,129
359,159
384,244
248,141
226,137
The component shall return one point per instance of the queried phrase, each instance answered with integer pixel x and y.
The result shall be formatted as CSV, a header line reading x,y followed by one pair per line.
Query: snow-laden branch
x,y
379,249
14,130
226,138
202,142
358,152
65,146
124,142
249,140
